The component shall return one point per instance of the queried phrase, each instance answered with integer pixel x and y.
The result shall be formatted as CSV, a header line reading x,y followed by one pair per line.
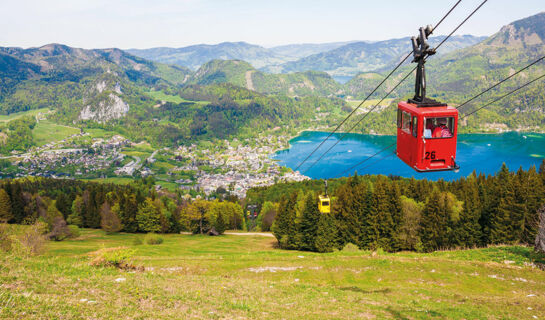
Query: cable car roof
x,y
443,110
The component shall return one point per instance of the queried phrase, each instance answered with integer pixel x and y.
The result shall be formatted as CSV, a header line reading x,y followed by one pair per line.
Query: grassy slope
x,y
209,278
16,115
47,131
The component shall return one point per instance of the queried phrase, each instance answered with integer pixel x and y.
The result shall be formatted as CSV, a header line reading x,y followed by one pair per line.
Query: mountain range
x,y
102,85
338,58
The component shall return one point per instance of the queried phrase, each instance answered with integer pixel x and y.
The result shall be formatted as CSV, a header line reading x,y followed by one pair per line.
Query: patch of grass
x,y
160,95
236,276
369,103
100,133
13,116
47,131
152,238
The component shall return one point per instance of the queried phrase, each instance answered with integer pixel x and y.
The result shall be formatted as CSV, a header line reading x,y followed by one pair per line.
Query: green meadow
x,y
16,115
47,131
246,277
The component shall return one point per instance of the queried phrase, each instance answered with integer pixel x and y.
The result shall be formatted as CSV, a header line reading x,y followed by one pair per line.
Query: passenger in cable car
x,y
429,129
442,130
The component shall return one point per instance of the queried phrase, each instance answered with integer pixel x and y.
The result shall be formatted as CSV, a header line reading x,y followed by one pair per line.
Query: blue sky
x,y
143,24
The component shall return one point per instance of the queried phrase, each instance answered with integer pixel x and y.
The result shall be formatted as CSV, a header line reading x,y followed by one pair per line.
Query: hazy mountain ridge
x,y
352,58
301,50
195,56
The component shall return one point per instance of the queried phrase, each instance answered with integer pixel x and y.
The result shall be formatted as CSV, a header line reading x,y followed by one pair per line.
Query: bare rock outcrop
x,y
113,107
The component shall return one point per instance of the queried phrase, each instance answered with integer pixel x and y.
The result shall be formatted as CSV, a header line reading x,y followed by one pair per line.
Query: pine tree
x,y
508,220
434,222
351,210
17,203
468,231
326,233
379,226
6,214
542,171
284,227
128,211
220,224
309,223
148,217
394,195
75,218
64,204
531,193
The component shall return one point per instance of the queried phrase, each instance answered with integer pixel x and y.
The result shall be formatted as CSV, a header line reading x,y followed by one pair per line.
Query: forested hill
x,y
104,82
242,74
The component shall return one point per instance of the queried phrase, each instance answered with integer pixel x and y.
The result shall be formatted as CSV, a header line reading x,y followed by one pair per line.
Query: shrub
x,y
152,238
137,241
118,257
5,239
74,231
59,229
31,242
350,247
34,238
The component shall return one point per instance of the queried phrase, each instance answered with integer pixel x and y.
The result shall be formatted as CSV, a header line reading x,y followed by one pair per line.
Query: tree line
x,y
396,214
136,207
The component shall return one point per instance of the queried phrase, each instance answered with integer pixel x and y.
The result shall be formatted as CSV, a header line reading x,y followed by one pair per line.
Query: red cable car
x,y
426,128
426,136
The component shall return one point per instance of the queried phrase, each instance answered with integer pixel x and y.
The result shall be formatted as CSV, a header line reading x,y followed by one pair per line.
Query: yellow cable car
x,y
324,203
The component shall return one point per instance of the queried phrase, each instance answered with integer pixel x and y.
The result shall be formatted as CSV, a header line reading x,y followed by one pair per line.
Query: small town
x,y
234,166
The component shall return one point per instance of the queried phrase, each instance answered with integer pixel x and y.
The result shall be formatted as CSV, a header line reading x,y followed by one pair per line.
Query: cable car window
x,y
398,118
406,122
439,128
325,203
415,126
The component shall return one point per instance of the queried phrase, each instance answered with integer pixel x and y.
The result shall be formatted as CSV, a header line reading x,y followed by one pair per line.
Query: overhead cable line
x,y
378,160
402,80
497,84
365,160
372,92
505,95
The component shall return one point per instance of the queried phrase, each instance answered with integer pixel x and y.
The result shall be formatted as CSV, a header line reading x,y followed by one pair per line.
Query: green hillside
x,y
242,74
244,276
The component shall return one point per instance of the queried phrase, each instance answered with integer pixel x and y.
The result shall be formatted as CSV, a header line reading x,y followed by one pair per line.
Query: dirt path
x,y
249,83
263,234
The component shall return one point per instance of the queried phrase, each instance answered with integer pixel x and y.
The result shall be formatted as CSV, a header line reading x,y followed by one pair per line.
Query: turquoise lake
x,y
483,153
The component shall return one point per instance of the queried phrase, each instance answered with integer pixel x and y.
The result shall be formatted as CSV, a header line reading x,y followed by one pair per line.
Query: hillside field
x,y
47,131
245,277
